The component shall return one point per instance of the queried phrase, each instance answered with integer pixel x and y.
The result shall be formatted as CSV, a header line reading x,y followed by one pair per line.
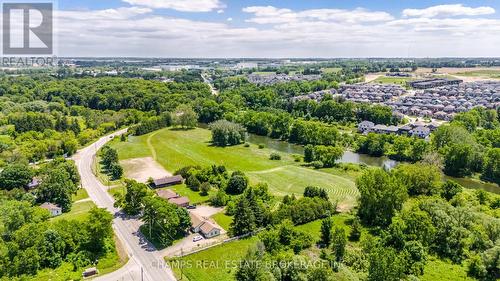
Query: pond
x,y
348,157
353,157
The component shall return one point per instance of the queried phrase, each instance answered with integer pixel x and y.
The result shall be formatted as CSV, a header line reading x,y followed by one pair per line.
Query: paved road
x,y
212,89
145,261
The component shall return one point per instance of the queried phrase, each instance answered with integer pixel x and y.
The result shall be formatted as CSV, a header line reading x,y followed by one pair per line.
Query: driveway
x,y
187,244
206,211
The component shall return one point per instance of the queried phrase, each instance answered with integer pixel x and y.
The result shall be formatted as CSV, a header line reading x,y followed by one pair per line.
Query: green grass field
x,y
110,262
80,195
331,69
194,196
486,73
392,80
79,211
175,149
223,220
216,263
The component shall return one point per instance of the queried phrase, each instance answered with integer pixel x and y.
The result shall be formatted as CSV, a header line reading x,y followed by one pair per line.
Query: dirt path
x,y
269,170
150,146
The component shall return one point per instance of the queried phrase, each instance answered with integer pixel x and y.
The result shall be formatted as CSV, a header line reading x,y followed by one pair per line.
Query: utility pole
x,y
142,274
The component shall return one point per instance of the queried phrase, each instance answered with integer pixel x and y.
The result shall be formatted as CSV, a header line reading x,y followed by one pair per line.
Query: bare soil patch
x,y
141,169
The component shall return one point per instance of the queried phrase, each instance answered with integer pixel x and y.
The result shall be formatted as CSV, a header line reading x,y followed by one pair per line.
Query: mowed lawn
x,y
486,73
175,149
219,263
393,80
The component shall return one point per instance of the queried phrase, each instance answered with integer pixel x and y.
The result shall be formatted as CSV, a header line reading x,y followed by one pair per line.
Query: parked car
x,y
197,238
90,272
190,207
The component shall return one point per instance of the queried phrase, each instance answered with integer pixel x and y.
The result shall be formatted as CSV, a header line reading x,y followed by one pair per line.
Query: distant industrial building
x,y
398,74
246,65
433,83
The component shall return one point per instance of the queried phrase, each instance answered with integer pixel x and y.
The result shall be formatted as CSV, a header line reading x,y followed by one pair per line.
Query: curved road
x,y
145,262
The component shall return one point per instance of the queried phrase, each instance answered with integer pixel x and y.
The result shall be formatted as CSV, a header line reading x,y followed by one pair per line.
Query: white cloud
x,y
136,31
119,13
180,5
229,19
220,11
270,15
448,10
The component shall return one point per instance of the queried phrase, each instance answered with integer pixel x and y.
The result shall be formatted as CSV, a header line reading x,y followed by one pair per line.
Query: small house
x,y
365,126
196,222
180,201
173,197
53,209
209,230
168,181
203,226
34,183
405,130
166,194
421,132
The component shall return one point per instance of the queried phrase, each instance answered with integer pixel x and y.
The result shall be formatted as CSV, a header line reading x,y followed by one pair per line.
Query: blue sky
x,y
314,28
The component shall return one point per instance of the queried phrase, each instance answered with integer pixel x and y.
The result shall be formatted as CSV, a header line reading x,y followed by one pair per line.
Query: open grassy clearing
x,y
80,195
485,73
217,263
175,149
331,69
392,80
293,179
264,73
112,261
439,270
223,220
79,211
194,196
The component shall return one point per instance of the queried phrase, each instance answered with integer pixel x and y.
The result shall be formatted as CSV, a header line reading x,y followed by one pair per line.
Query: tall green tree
x,y
244,219
382,195
419,179
184,116
339,241
57,188
15,176
326,231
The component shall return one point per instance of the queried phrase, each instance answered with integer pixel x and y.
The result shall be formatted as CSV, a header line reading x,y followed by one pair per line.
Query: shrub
x,y
297,158
261,146
275,156
317,164
237,183
205,188
226,133
193,183
246,144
